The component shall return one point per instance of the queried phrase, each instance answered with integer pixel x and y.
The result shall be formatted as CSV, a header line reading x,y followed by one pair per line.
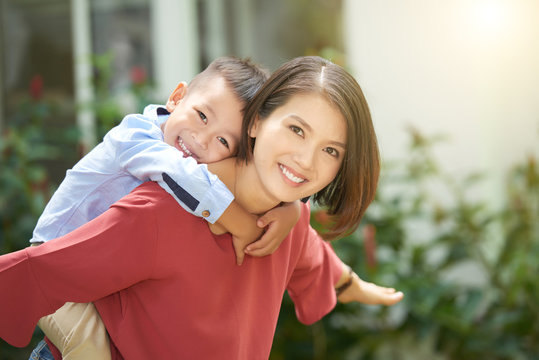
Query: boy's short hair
x,y
242,75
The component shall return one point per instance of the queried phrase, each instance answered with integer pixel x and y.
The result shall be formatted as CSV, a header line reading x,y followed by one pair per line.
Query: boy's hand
x,y
242,226
241,238
278,223
369,293
240,243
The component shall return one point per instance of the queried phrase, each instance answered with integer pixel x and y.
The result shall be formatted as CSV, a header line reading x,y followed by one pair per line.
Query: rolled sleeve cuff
x,y
216,200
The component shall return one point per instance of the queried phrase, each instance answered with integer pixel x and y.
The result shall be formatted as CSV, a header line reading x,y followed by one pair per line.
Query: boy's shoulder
x,y
151,191
150,198
147,195
155,112
149,121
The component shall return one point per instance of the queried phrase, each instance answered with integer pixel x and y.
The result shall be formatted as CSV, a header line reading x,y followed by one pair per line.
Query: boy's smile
x,y
181,146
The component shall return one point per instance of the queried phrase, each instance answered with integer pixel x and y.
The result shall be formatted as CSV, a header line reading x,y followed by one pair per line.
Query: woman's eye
x,y
332,151
203,117
223,141
296,130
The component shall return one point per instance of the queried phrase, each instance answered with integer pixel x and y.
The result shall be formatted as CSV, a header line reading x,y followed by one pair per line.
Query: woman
x,y
308,131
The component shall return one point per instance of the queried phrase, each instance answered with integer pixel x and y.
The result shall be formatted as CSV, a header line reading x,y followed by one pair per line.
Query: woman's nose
x,y
305,157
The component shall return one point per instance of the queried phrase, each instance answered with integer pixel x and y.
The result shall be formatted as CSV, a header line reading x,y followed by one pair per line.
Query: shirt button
x,y
206,213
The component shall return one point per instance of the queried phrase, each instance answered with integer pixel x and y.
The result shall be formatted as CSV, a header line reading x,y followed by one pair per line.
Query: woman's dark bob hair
x,y
353,189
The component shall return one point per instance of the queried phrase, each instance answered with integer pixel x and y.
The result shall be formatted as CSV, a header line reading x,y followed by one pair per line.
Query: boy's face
x,y
206,122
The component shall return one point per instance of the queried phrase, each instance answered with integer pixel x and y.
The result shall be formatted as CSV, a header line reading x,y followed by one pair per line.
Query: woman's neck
x,y
242,180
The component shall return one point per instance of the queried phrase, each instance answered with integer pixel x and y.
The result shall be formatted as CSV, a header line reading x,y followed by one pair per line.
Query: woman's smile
x,y
291,175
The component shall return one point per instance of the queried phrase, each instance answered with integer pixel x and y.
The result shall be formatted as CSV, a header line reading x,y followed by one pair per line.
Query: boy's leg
x,y
41,352
77,331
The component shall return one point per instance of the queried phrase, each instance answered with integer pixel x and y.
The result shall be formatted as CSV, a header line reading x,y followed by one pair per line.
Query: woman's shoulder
x,y
148,193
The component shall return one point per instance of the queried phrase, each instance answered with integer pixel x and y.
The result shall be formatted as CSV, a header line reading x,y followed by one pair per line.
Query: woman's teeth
x,y
184,148
290,176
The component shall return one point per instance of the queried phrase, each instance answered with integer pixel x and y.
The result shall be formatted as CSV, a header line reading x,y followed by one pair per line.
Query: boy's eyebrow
x,y
309,128
208,108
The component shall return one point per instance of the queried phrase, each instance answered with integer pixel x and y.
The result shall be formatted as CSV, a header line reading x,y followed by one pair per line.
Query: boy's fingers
x,y
240,255
257,245
264,220
260,246
261,252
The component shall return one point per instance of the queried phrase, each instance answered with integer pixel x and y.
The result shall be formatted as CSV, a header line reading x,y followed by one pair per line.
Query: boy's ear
x,y
176,96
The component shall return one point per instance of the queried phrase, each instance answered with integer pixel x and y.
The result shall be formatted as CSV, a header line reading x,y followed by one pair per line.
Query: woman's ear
x,y
176,96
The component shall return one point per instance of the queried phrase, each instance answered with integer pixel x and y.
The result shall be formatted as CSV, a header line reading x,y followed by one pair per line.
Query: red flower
x,y
138,75
36,87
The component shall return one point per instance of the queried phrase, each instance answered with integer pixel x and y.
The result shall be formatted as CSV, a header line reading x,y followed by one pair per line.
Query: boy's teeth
x,y
291,177
182,146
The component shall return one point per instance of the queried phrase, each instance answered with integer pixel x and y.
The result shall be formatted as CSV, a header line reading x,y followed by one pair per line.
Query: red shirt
x,y
165,286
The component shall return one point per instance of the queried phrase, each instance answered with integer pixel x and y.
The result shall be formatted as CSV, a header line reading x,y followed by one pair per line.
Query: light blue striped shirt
x,y
131,153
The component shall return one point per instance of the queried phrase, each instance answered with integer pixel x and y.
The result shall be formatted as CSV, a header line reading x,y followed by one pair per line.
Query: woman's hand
x,y
366,292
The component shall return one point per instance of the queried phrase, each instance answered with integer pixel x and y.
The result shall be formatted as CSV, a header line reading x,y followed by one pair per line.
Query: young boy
x,y
201,123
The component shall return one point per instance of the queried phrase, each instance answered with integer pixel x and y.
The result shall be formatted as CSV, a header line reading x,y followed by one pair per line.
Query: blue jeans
x,y
41,352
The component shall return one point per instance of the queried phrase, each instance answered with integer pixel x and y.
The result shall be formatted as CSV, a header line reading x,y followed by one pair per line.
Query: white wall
x,y
465,68
175,43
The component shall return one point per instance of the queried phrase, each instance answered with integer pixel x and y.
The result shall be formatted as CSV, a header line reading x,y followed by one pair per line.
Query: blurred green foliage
x,y
468,270
29,144
110,104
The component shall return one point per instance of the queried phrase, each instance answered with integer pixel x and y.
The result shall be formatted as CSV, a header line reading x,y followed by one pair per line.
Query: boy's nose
x,y
201,140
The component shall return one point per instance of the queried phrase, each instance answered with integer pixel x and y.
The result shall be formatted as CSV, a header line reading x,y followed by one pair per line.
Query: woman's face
x,y
299,148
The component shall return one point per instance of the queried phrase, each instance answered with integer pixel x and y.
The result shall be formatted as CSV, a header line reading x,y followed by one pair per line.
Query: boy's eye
x,y
296,130
203,117
223,141
332,151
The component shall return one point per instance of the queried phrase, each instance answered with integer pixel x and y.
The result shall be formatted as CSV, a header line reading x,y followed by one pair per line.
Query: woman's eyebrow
x,y
339,144
304,123
309,128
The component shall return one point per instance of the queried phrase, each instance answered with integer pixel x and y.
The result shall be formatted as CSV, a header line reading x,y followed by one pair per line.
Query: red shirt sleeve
x,y
108,254
312,286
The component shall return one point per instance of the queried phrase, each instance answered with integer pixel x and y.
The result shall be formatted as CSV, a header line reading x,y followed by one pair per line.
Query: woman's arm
x,y
108,254
317,270
319,273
